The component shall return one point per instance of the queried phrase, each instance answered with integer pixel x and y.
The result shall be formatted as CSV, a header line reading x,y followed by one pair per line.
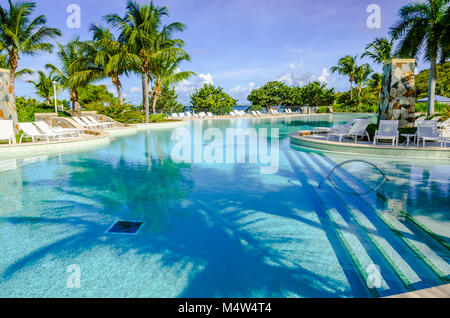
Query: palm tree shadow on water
x,y
212,231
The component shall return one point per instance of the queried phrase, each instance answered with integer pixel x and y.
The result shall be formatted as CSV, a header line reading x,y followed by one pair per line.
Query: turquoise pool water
x,y
221,230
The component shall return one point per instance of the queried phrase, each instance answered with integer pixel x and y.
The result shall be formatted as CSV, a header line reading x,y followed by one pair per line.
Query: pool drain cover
x,y
125,227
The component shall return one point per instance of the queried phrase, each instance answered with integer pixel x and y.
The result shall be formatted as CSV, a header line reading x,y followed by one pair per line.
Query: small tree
x,y
317,94
273,94
212,99
168,101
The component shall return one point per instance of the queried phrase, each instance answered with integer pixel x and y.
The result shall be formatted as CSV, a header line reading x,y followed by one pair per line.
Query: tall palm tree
x,y
347,66
20,34
164,71
75,71
380,50
139,28
44,86
362,74
110,57
423,27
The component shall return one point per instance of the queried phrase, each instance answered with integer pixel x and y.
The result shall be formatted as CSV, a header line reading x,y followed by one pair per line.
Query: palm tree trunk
x,y
117,84
351,90
145,96
432,87
155,98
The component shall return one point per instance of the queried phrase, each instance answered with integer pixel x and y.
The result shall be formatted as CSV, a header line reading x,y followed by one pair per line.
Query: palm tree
x,y
380,50
423,27
347,66
110,57
375,83
76,71
362,74
164,71
4,63
44,86
20,34
140,28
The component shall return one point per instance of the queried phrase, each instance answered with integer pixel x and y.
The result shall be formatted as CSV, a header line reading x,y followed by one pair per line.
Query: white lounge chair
x,y
232,114
106,124
427,131
31,131
83,123
357,130
209,114
174,115
388,130
202,115
188,114
334,129
91,124
7,131
181,115
259,113
72,132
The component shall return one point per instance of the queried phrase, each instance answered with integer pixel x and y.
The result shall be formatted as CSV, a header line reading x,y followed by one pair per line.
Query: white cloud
x,y
324,77
187,87
135,90
241,92
295,77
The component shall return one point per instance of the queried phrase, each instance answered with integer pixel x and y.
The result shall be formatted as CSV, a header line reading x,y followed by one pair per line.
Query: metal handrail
x,y
385,178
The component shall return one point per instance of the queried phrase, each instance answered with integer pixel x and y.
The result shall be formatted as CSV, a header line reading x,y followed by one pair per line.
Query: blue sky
x,y
241,44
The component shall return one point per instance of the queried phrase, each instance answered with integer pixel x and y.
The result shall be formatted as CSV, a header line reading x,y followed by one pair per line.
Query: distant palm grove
x,y
139,43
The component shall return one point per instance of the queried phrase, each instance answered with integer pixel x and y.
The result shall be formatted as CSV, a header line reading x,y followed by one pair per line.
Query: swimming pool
x,y
221,230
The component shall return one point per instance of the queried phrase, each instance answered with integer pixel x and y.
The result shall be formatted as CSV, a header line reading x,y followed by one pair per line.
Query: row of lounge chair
x,y
235,113
89,122
427,130
40,130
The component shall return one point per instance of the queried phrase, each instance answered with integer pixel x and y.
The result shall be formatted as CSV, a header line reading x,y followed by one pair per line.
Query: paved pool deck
x,y
442,291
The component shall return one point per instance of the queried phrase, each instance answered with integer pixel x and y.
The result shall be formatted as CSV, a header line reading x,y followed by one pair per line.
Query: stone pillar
x,y
398,95
7,104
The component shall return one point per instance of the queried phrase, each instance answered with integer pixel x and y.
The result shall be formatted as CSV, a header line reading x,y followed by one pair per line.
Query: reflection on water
x,y
210,230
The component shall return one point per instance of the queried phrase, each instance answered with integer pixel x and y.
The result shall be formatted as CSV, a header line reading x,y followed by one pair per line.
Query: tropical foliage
x,y
168,101
22,34
424,28
212,99
347,66
147,38
274,94
442,81
44,86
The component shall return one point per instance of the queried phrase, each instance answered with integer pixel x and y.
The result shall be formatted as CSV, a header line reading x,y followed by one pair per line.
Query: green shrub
x,y
210,98
27,107
158,118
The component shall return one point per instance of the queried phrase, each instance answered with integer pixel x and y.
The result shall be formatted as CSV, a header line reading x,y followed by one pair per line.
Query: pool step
x,y
414,273
357,246
427,246
367,236
362,244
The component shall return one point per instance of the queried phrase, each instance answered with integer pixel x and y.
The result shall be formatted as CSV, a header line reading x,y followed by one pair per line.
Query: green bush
x,y
363,108
125,113
158,118
210,98
27,107
438,107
